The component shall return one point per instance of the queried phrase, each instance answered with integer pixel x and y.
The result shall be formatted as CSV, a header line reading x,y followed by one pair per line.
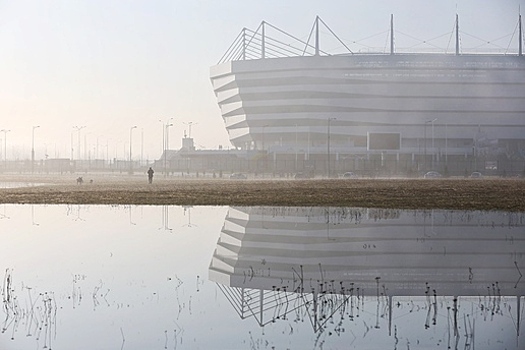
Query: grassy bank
x,y
462,194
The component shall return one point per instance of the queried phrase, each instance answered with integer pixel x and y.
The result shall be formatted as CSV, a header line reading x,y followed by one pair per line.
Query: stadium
x,y
301,109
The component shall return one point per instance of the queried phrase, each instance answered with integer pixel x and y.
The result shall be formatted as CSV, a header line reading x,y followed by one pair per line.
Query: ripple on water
x,y
18,184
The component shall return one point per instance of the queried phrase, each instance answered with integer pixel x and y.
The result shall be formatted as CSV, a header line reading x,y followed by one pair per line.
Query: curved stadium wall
x,y
418,111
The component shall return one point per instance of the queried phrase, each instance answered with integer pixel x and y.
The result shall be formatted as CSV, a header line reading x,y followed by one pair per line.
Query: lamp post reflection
x,y
166,218
130,218
187,209
33,216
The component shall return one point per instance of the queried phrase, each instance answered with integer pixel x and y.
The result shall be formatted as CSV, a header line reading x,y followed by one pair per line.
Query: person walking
x,y
150,175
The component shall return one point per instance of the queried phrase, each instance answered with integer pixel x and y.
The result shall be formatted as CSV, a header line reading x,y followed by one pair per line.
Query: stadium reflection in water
x,y
279,277
322,264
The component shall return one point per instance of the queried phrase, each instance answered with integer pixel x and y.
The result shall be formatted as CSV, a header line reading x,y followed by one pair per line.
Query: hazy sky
x,y
109,65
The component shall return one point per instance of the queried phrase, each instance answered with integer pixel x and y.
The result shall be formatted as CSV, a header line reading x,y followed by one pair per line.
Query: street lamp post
x,y
295,167
263,137
328,147
167,147
165,143
5,147
96,149
425,152
71,146
130,144
265,164
446,145
78,128
33,148
141,146
425,149
433,149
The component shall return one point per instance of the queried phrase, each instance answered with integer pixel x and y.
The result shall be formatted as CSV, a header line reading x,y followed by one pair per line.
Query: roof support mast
x,y
317,35
457,35
521,36
392,34
243,44
263,41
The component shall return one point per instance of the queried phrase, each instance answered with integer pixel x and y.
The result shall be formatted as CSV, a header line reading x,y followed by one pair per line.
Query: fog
x,y
77,76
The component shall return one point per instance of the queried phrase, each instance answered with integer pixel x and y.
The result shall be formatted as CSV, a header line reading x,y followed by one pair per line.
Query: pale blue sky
x,y
109,65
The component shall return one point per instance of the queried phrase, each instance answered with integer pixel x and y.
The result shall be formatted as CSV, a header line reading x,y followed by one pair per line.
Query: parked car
x,y
432,175
238,176
476,175
302,176
349,175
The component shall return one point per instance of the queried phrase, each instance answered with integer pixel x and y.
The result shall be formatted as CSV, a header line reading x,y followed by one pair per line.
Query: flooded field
x,y
182,277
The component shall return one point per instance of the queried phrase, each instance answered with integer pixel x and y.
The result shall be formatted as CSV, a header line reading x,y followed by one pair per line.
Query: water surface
x,y
18,184
170,277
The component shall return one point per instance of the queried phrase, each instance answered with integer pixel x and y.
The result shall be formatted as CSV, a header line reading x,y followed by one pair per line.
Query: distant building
x,y
209,162
58,165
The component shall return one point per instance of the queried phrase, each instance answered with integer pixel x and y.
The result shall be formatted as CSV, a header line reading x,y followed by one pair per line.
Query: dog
x,y
80,180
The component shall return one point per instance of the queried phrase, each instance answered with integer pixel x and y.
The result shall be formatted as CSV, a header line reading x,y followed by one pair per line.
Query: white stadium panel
x,y
483,92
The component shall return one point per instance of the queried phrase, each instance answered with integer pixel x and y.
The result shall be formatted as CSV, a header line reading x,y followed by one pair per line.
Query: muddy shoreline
x,y
459,194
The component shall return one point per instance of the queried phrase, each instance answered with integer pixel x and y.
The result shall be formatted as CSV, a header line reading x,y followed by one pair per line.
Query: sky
x,y
109,65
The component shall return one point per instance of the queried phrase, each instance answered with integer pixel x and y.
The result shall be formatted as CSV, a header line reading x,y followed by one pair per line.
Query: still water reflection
x,y
146,277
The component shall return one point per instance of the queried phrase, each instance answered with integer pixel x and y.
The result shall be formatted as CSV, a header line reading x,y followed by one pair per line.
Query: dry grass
x,y
485,194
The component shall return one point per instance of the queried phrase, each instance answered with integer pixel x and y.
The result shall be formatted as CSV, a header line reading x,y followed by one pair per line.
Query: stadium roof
x,y
269,41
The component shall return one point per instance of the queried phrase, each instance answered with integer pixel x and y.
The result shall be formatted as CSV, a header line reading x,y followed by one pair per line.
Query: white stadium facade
x,y
302,109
